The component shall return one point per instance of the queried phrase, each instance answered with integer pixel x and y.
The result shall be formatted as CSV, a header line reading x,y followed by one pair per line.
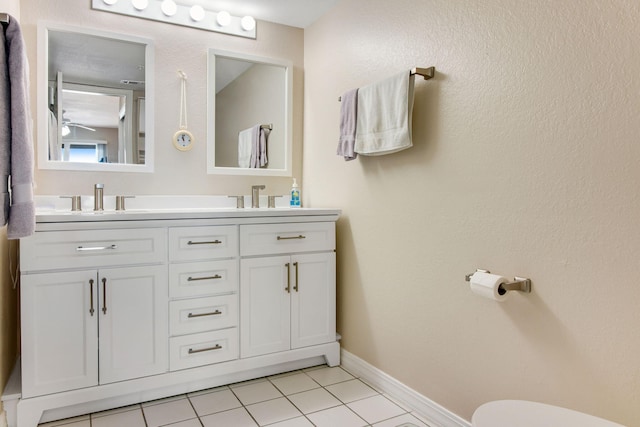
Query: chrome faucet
x,y
255,195
98,197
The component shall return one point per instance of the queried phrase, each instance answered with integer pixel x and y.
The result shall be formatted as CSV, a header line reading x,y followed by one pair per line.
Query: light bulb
x,y
140,4
248,23
197,13
110,2
169,7
223,18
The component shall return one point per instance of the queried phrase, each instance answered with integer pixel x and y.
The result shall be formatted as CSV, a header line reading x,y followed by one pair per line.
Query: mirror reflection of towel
x,y
245,139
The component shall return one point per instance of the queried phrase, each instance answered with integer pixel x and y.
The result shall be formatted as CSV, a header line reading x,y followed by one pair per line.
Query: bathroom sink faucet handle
x,y
98,197
120,202
239,201
255,195
76,202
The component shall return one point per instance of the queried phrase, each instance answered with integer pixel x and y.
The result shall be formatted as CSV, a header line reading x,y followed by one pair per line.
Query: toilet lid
x,y
521,413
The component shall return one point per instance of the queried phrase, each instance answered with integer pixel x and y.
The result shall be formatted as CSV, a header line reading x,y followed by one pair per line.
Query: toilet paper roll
x,y
487,285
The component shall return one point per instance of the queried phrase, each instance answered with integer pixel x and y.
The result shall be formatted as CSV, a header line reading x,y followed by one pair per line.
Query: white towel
x,y
245,141
384,116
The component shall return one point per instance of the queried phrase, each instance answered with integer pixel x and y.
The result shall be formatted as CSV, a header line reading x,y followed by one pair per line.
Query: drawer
x,y
47,250
198,243
203,314
266,239
201,349
203,278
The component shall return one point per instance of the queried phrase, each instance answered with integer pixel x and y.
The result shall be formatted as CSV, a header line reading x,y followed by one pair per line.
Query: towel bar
x,y
4,17
427,73
269,126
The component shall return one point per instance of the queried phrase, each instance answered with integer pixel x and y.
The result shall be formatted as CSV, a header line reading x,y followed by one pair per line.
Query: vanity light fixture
x,y
140,4
196,13
178,13
223,18
169,7
248,23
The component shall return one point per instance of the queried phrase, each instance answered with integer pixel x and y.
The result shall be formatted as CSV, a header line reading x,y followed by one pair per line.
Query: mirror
x,y
249,115
92,92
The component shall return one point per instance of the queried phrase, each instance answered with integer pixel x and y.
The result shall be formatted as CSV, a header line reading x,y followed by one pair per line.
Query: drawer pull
x,y
193,279
215,347
213,242
214,313
300,236
96,248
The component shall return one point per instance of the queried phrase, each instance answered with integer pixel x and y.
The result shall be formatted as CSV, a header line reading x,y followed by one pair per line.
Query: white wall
x,y
176,48
525,162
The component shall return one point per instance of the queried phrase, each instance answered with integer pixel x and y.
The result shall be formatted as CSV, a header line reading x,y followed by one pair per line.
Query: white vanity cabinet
x,y
83,327
287,287
122,308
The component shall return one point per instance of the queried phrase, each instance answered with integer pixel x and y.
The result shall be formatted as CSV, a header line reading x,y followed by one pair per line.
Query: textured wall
x,y
176,48
525,162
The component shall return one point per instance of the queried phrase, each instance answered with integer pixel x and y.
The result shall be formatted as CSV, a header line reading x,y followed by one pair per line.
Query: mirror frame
x,y
211,116
43,93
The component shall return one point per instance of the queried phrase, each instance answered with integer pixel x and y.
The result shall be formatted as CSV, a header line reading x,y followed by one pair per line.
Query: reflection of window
x,y
85,151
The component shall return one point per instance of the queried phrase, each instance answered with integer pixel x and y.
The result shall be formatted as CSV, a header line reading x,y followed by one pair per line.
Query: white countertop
x,y
56,209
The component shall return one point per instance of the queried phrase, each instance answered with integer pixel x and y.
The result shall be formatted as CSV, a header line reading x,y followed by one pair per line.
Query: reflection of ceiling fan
x,y
66,124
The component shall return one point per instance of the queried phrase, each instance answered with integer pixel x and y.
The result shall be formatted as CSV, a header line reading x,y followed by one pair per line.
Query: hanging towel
x,y
258,147
5,131
245,141
348,117
264,138
384,116
18,150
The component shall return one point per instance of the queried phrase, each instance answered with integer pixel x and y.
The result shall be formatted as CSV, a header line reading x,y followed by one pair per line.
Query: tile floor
x,y
318,396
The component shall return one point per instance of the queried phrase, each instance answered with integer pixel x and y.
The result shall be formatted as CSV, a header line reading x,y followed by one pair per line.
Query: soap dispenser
x,y
295,195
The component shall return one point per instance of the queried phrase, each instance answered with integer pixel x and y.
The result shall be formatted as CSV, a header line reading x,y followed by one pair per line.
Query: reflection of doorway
x,y
92,113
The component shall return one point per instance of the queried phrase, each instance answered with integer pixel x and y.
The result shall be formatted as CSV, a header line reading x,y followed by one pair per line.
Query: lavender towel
x,y
17,151
348,115
258,147
5,132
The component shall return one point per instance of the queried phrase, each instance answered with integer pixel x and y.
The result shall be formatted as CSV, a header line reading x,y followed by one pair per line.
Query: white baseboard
x,y
430,410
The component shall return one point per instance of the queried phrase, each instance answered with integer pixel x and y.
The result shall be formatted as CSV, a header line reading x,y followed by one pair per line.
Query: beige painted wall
x,y
176,48
525,162
8,296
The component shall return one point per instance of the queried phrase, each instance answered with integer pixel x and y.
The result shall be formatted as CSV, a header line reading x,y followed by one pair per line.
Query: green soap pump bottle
x,y
295,195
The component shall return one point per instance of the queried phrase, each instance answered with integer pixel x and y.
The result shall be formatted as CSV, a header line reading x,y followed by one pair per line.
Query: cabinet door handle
x,y
104,295
288,288
213,313
193,279
91,310
295,265
96,248
215,347
300,236
213,242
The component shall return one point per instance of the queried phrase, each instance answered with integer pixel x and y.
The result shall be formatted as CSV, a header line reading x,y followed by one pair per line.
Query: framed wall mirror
x,y
95,92
249,115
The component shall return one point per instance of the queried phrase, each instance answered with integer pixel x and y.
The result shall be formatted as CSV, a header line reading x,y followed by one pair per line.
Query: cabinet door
x,y
133,312
264,305
313,299
59,332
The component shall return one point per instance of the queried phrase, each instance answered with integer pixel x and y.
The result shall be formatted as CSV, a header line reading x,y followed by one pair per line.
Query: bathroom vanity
x,y
124,307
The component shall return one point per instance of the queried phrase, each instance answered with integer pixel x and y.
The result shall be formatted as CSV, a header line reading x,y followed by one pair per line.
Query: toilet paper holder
x,y
521,284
